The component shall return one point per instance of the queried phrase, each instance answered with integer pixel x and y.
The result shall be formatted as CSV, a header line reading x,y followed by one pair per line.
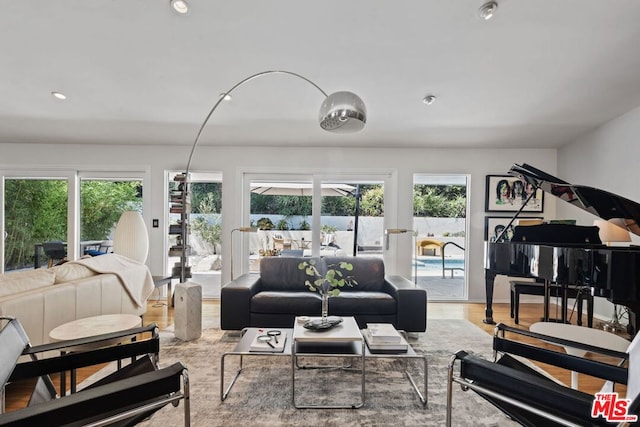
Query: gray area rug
x,y
262,394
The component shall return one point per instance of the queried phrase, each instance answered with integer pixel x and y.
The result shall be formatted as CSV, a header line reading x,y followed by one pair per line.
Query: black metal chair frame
x,y
123,398
526,395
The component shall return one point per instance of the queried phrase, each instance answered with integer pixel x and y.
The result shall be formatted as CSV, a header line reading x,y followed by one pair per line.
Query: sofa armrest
x,y
412,303
235,301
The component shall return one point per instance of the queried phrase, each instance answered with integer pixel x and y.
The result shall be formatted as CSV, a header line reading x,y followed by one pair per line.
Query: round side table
x,y
90,326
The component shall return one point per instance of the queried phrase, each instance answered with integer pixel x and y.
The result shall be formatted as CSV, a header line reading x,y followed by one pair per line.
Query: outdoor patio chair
x,y
281,243
97,248
428,246
55,251
123,398
531,398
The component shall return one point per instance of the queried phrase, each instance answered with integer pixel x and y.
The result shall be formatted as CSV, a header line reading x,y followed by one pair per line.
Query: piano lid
x,y
598,202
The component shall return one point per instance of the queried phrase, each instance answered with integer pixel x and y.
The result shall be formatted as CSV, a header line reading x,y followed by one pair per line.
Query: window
x,y
41,206
352,217
35,212
102,201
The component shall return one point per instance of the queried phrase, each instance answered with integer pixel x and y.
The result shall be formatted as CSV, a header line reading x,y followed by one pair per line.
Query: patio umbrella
x,y
299,189
306,189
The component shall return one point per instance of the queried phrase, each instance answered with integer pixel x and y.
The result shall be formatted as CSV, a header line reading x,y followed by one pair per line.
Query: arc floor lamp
x,y
340,112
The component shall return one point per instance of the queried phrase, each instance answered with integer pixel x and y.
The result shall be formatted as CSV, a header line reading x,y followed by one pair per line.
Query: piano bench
x,y
535,288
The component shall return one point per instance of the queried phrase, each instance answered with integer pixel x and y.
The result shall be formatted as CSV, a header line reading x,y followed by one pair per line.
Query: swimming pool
x,y
435,264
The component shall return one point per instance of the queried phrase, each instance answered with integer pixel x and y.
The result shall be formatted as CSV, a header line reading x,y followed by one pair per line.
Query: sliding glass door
x,y
440,223
309,215
204,231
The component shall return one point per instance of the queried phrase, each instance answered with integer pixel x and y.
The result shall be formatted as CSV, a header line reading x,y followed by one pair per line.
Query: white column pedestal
x,y
187,311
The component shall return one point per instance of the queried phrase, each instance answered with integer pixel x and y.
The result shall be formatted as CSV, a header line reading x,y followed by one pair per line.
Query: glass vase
x,y
325,307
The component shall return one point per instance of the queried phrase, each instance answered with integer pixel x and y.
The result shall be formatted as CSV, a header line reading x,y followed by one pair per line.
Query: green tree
x,y
208,195
102,203
210,232
35,211
338,206
280,205
442,201
372,203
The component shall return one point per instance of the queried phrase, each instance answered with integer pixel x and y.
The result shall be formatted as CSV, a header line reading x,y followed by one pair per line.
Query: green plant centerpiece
x,y
327,280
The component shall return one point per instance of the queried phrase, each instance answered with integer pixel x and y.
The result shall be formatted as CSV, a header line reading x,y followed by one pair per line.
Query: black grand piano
x,y
570,254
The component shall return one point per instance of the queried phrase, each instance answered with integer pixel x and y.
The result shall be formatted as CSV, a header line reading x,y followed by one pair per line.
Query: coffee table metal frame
x,y
322,344
242,349
410,354
361,352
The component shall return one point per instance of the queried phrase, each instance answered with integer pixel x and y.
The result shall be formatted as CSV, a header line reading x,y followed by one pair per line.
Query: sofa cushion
x,y
20,281
354,303
303,303
282,274
71,271
368,272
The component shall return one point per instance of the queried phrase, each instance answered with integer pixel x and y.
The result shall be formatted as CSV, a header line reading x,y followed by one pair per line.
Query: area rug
x,y
262,394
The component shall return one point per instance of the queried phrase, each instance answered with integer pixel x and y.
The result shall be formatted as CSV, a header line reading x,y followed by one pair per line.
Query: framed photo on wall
x,y
493,226
506,193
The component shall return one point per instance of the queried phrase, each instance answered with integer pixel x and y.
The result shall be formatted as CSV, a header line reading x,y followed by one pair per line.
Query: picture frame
x,y
492,224
506,193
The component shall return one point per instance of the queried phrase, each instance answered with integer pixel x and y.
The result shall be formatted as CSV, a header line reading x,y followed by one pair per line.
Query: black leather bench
x,y
535,288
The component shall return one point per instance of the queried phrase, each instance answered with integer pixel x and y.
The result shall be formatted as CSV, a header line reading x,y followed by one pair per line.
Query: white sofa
x,y
45,298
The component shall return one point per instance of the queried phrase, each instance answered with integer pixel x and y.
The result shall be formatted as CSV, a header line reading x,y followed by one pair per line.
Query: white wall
x,y
606,158
233,161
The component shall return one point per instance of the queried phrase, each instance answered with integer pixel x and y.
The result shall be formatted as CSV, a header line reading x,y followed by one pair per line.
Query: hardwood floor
x,y
161,314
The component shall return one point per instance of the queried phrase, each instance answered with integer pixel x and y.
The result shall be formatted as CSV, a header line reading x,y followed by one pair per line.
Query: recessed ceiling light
x,y
429,99
180,6
226,96
487,10
59,95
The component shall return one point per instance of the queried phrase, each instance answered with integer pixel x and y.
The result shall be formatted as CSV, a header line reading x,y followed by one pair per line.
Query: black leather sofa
x,y
275,297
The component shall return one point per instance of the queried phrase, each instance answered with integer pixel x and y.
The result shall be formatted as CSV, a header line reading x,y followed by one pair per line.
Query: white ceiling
x,y
539,74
